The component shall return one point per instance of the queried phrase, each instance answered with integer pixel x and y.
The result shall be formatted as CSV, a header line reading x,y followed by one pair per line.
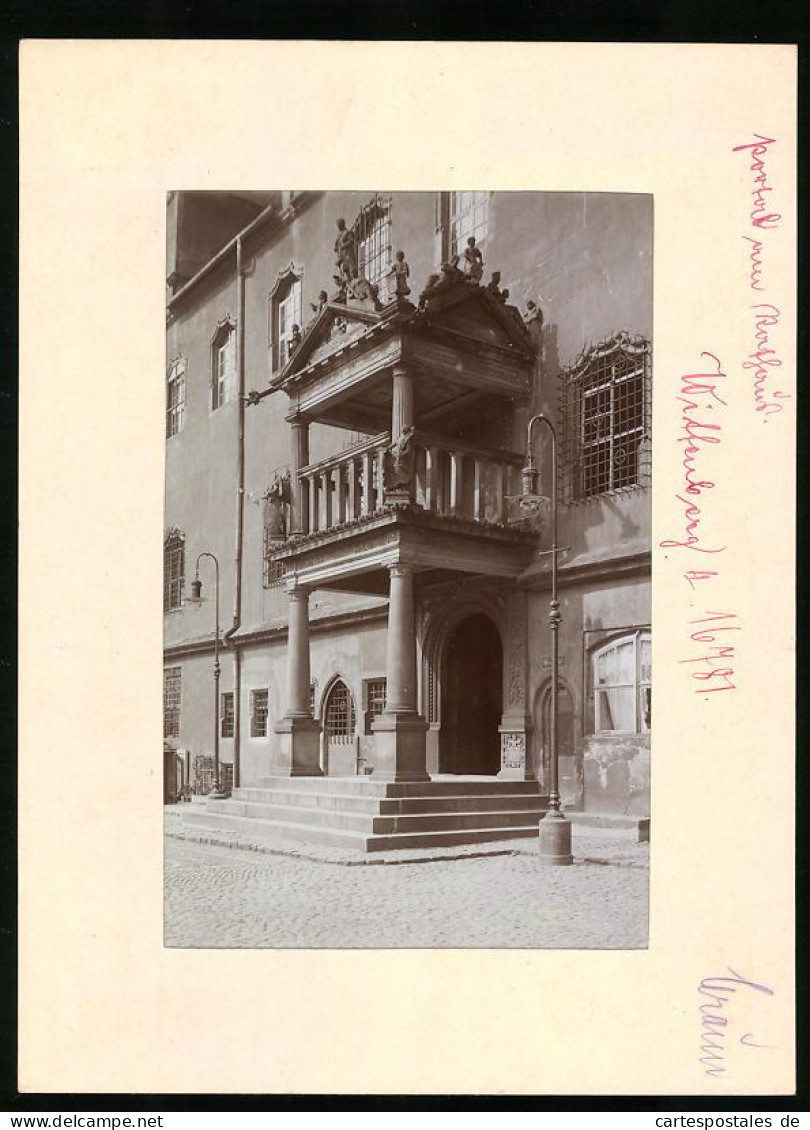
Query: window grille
x,y
372,229
175,398
171,702
223,376
259,709
174,557
606,414
226,715
622,680
374,696
340,719
469,215
204,776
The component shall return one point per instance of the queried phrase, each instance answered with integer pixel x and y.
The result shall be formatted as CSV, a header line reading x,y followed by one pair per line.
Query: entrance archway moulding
x,y
438,626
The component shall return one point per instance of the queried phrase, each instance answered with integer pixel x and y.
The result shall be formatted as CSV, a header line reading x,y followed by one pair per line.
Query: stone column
x,y
402,418
298,731
516,722
401,402
300,491
400,732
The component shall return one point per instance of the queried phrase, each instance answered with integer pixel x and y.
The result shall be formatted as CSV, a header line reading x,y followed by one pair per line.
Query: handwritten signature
x,y
716,1030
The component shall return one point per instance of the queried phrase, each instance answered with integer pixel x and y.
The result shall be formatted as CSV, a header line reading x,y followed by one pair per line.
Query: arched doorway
x,y
569,767
471,701
339,731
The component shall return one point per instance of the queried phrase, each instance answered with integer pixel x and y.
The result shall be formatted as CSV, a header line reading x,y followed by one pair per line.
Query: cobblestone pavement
x,y
226,896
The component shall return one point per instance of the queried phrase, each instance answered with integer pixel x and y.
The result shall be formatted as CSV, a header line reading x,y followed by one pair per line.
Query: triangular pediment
x,y
333,328
475,312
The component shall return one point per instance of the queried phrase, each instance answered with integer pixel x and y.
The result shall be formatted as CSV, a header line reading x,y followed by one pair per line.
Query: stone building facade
x,y
346,430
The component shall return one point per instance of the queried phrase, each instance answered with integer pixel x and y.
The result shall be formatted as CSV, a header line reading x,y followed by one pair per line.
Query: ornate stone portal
x,y
412,499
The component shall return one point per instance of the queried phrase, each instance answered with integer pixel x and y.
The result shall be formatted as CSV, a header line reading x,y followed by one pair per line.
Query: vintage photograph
x,y
407,569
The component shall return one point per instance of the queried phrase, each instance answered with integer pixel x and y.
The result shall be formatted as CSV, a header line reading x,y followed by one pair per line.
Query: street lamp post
x,y
554,828
196,596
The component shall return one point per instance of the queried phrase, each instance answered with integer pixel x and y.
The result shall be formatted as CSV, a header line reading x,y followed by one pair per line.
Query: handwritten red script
x,y
763,360
701,429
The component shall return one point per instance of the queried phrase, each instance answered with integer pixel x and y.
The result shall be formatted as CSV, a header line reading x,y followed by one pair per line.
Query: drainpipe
x,y
240,515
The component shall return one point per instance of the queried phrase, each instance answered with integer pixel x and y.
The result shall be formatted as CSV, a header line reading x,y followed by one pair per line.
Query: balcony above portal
x,y
462,345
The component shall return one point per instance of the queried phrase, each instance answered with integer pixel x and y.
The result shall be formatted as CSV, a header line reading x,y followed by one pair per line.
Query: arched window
x,y
174,566
622,677
223,364
340,719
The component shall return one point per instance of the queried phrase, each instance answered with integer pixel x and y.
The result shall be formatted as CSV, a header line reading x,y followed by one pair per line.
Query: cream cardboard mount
x,y
103,1006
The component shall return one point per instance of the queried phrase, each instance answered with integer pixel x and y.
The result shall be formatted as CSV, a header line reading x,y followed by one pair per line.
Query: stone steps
x,y
369,815
372,823
502,801
368,786
264,830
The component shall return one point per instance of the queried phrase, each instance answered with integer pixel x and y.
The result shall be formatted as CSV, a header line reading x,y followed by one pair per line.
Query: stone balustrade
x,y
451,478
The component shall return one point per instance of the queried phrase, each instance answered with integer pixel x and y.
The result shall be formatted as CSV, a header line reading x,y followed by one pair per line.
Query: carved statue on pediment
x,y
398,277
399,468
345,254
494,286
472,262
295,338
316,307
437,283
533,318
362,290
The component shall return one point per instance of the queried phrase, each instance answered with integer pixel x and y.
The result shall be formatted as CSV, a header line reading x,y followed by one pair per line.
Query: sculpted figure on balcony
x,y
274,501
400,462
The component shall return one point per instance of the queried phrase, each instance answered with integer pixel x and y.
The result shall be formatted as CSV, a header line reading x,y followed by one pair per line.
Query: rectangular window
x,y
375,251
606,419
174,557
226,715
288,314
469,215
374,700
171,702
223,379
175,398
259,709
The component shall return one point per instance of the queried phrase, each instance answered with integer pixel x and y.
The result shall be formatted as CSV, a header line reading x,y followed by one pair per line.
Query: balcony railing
x,y
452,478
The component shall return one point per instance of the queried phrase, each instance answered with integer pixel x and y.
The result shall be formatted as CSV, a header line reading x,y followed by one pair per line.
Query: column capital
x,y
299,422
401,369
297,591
401,569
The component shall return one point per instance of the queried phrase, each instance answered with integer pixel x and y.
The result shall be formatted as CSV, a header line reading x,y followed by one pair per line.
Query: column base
x,y
400,748
554,844
298,748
